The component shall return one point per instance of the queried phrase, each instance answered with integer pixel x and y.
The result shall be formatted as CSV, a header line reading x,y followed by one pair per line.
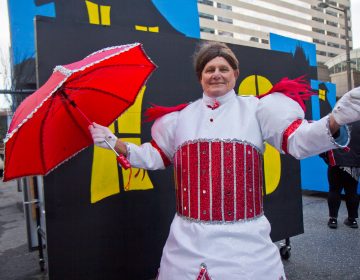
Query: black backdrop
x,y
121,237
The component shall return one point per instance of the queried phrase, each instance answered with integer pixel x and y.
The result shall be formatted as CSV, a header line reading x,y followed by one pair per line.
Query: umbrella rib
x,y
42,155
71,79
98,90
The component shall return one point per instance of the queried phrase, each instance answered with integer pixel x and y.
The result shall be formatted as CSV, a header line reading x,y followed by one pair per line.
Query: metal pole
x,y
348,61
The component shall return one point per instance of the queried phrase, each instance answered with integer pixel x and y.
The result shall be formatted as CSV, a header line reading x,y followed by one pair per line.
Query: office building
x,y
249,23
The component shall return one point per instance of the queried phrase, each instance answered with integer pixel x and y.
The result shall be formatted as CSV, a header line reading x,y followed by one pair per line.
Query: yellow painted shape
x,y
93,12
105,174
142,181
105,15
141,28
248,85
272,168
272,160
322,94
130,121
154,29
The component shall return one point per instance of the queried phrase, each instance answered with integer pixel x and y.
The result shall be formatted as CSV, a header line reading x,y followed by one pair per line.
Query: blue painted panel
x,y
183,15
21,16
289,45
314,169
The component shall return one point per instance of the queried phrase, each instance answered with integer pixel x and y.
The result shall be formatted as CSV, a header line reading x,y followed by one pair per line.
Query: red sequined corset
x,y
218,181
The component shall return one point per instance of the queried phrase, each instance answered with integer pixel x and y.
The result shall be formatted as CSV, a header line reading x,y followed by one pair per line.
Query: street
x,y
320,253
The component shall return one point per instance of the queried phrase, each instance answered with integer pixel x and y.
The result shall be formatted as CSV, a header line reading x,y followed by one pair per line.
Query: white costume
x,y
217,157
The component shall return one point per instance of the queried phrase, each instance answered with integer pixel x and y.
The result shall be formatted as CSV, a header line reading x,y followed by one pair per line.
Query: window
x,y
337,68
206,2
331,23
341,6
223,6
226,34
317,41
316,8
332,34
265,41
330,44
332,54
321,53
343,66
227,20
318,19
329,12
207,30
203,15
317,30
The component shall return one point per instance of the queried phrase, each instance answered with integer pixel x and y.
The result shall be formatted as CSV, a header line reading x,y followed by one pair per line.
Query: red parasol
x,y
51,125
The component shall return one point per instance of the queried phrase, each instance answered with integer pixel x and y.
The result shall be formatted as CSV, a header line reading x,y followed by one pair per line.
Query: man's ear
x,y
236,73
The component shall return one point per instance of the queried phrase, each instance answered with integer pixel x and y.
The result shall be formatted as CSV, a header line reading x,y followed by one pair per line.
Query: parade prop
x,y
51,125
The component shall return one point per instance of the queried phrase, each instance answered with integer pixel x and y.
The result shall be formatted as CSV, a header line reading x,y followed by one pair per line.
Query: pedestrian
x,y
343,175
215,145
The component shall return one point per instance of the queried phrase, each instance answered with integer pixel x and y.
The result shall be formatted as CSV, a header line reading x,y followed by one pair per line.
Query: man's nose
x,y
216,74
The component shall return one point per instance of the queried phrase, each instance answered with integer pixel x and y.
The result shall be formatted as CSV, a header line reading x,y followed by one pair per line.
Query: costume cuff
x,y
343,139
128,151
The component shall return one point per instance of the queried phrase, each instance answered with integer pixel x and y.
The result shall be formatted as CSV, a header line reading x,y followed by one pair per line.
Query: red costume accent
x,y
215,105
203,274
156,111
287,133
331,158
297,89
162,154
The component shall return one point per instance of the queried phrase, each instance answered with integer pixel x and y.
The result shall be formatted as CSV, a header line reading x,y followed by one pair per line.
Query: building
x,y
249,22
337,71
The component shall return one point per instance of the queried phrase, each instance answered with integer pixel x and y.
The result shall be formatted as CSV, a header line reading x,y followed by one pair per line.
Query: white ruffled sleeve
x,y
158,153
283,126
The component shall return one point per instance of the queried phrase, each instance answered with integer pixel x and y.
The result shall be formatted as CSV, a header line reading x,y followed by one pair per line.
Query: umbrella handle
x,y
121,159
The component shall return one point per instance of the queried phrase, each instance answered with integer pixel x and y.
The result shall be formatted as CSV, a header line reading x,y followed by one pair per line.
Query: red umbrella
x,y
51,125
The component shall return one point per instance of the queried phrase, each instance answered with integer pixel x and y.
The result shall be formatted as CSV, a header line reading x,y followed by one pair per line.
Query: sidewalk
x,y
323,253
318,254
16,262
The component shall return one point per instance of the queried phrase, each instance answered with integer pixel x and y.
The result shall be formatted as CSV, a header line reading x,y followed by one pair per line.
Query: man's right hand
x,y
99,133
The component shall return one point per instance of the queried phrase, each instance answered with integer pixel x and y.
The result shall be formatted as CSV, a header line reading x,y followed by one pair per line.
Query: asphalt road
x,y
320,253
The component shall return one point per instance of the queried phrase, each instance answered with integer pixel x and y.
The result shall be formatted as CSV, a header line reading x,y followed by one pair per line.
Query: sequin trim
x,y
332,140
218,181
198,221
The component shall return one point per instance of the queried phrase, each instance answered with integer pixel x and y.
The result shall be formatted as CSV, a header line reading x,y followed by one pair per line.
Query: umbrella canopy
x,y
51,125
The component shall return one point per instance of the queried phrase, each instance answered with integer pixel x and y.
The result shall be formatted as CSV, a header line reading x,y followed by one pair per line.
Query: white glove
x,y
99,133
347,109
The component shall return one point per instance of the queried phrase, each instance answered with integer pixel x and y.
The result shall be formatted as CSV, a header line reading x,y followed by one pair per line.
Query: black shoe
x,y
351,222
332,223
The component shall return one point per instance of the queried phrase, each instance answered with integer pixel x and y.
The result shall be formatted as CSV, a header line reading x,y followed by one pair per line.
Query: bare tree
x,y
5,75
19,80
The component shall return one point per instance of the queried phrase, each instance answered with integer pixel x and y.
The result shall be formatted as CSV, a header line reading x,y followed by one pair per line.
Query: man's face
x,y
218,77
